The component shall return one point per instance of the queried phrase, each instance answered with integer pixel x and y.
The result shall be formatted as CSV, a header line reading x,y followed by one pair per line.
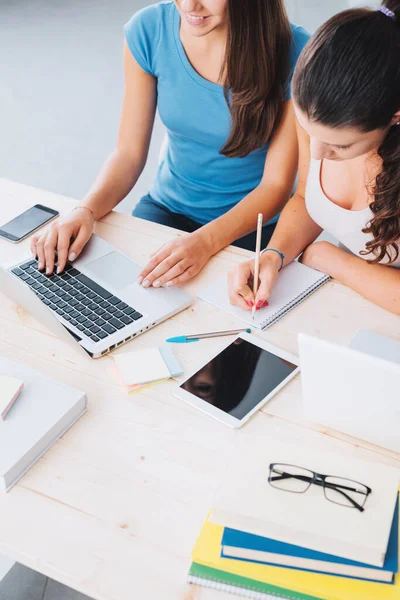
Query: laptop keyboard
x,y
79,300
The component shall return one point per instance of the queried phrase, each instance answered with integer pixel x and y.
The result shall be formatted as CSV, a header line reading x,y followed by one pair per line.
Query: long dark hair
x,y
256,69
349,75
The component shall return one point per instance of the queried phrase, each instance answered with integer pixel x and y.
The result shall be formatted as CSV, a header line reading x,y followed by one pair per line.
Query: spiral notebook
x,y
294,284
240,586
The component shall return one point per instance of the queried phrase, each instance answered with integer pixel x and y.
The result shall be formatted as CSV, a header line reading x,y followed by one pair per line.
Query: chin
x,y
336,158
197,31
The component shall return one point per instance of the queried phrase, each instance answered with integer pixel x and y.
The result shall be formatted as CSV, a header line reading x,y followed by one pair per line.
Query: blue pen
x,y
186,339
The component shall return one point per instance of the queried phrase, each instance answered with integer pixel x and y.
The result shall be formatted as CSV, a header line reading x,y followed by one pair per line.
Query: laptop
x,y
353,389
97,300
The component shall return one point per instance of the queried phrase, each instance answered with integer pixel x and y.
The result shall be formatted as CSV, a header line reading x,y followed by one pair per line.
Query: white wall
x,y
312,13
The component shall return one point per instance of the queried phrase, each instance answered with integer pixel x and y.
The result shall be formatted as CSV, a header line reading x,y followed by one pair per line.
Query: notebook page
x,y
294,283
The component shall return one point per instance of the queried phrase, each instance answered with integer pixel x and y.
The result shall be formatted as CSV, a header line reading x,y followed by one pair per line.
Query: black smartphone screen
x,y
238,378
27,222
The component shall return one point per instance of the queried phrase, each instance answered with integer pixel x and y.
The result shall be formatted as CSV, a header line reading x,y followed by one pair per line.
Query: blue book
x,y
240,545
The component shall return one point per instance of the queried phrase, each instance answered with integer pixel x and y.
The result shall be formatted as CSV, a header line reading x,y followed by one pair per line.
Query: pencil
x,y
257,261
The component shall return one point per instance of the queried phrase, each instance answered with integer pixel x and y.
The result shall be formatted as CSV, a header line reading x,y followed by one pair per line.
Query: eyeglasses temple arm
x,y
353,502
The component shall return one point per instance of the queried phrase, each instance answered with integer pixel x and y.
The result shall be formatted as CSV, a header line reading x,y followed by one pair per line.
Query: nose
x,y
319,150
190,5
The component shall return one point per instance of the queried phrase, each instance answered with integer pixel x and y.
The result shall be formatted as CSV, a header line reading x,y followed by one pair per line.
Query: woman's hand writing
x,y
240,281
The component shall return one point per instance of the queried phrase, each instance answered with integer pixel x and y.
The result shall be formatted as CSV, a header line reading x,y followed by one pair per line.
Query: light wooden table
x,y
114,507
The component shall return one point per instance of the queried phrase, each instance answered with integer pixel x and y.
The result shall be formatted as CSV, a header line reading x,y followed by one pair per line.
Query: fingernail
x,y
72,256
48,271
169,284
266,303
58,270
260,303
146,283
250,303
40,266
157,283
140,279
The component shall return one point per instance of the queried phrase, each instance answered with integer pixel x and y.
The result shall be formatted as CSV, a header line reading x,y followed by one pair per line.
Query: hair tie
x,y
386,11
394,15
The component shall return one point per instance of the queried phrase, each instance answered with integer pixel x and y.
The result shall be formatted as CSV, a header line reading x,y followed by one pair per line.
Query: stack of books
x,y
262,541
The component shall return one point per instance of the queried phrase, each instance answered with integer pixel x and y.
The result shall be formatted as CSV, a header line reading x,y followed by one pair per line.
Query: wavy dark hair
x,y
349,75
256,71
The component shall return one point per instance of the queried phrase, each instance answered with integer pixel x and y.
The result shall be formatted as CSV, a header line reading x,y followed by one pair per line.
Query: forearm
x,y
115,180
295,230
378,283
242,218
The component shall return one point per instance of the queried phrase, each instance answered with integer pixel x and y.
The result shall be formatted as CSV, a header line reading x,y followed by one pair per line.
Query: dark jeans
x,y
152,211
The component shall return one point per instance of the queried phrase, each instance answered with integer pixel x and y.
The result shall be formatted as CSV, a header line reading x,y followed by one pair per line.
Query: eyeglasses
x,y
338,490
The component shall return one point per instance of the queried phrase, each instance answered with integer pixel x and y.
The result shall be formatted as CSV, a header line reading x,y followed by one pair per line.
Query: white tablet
x,y
239,380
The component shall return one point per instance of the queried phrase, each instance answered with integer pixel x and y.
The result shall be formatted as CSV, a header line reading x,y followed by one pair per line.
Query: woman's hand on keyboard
x,y
240,281
66,236
177,261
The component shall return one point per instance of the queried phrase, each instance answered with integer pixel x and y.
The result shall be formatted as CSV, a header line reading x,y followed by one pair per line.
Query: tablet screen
x,y
238,378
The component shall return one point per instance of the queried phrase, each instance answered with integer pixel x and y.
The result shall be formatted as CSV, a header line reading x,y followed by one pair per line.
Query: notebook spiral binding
x,y
236,590
297,300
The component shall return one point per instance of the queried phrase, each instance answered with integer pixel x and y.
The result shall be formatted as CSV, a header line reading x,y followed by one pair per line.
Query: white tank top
x,y
345,225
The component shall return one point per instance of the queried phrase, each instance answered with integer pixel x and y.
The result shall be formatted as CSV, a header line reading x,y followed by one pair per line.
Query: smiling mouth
x,y
195,20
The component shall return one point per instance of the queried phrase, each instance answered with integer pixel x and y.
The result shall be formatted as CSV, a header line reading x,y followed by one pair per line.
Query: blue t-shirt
x,y
193,178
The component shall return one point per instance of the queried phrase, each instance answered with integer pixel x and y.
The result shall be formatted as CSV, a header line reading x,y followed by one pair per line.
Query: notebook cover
x,y
248,541
222,580
295,283
326,587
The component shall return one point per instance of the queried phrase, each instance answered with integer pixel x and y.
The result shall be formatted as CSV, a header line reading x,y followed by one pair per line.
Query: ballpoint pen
x,y
184,339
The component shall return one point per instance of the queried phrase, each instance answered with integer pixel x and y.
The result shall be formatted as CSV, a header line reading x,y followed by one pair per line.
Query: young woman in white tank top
x,y
346,91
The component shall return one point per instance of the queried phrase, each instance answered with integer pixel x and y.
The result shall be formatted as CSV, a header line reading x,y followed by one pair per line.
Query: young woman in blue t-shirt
x,y
219,73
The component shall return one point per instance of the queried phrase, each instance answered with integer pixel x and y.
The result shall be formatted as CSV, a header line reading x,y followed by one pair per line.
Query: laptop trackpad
x,y
115,269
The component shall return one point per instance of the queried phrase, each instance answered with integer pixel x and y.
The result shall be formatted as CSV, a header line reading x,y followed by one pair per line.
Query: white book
x,y
294,284
246,501
43,411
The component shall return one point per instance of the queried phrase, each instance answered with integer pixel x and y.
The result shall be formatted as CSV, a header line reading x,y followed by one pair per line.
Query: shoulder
x,y
143,32
300,38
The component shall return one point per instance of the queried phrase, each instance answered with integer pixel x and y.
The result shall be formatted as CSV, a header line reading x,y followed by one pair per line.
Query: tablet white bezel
x,y
219,414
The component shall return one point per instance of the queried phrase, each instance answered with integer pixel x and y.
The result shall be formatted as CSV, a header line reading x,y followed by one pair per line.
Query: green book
x,y
241,586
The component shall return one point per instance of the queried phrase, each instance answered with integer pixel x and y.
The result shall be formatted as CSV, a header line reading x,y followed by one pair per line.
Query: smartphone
x,y
27,222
